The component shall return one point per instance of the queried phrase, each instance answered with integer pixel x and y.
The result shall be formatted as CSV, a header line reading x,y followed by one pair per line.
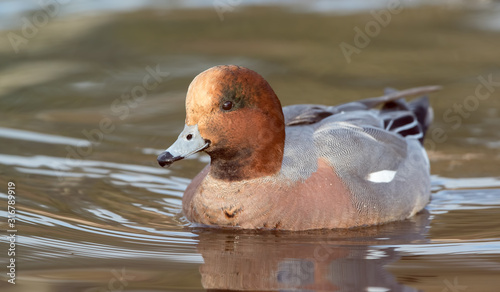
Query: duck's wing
x,y
305,114
386,174
398,116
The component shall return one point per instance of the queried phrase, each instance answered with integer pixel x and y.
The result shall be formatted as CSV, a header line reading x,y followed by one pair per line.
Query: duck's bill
x,y
188,143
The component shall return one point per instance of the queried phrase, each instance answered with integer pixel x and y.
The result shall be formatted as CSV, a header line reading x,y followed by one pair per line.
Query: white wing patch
x,y
383,176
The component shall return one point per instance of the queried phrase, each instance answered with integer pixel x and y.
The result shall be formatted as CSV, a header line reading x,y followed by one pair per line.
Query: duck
x,y
300,167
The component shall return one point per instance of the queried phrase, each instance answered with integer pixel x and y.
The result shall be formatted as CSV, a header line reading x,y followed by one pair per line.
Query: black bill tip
x,y
166,159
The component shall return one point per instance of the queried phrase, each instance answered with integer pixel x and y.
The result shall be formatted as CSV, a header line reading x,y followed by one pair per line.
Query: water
x,y
79,135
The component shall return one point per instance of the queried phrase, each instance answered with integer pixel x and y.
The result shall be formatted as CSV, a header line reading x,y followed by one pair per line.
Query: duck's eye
x,y
227,105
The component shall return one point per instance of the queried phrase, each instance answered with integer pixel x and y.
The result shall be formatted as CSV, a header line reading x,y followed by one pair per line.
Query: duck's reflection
x,y
345,260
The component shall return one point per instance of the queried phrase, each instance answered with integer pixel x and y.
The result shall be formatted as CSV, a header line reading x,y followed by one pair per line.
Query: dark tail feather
x,y
418,109
422,110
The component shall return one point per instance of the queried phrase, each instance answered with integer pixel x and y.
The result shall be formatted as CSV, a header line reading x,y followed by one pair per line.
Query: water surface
x,y
79,138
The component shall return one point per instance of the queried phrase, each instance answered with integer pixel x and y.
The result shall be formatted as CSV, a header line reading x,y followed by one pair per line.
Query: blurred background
x,y
92,91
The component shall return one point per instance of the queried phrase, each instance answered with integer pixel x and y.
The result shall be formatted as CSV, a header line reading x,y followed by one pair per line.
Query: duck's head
x,y
232,114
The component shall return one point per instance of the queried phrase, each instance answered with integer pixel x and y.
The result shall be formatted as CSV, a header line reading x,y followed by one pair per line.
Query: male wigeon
x,y
302,166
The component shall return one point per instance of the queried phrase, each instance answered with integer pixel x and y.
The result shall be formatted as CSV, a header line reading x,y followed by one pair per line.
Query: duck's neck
x,y
237,164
